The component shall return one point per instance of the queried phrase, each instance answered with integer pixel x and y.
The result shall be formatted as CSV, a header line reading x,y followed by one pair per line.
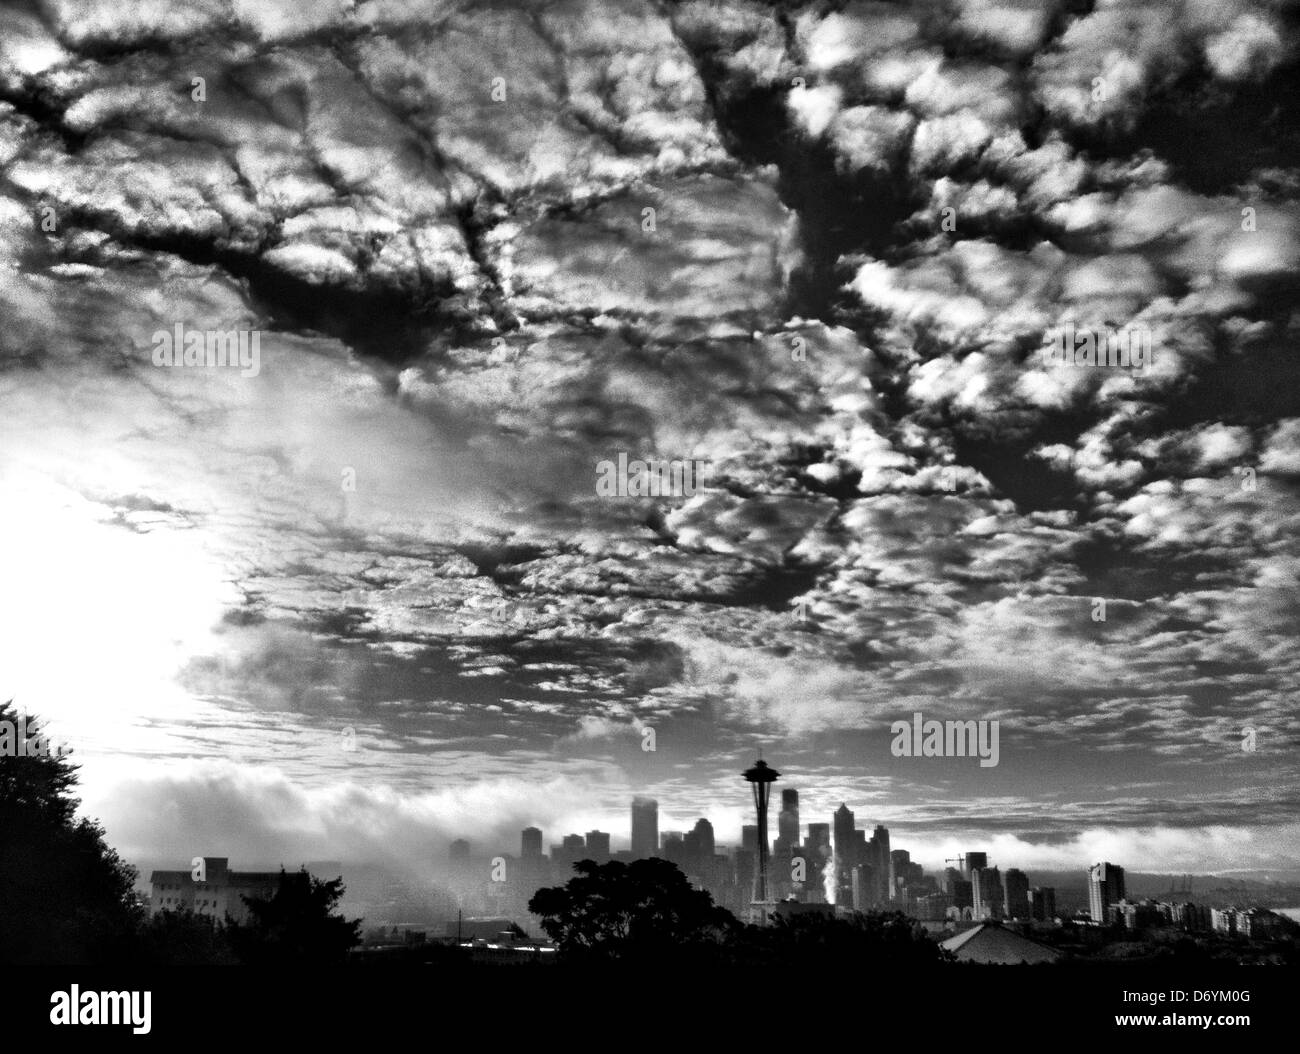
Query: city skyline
x,y
534,841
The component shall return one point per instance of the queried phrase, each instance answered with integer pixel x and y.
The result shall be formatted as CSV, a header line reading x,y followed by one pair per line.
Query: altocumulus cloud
x,y
681,231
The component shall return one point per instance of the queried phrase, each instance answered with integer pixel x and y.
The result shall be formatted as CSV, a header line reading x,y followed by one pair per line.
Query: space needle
x,y
761,777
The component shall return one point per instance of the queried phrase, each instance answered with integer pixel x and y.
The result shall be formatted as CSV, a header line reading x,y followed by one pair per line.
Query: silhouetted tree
x,y
184,938
65,896
638,911
297,923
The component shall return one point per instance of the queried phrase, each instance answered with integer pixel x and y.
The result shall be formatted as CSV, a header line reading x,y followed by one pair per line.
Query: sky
x,y
367,598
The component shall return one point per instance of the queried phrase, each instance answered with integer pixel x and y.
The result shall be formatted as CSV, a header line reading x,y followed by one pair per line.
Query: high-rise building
x,y
900,862
645,828
1224,920
1015,893
699,848
703,832
1042,903
787,822
843,826
1105,887
819,839
749,838
530,843
845,853
986,893
884,862
974,860
672,847
597,846
571,850
862,888
859,845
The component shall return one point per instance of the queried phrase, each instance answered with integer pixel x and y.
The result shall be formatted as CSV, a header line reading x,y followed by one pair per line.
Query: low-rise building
x,y
217,893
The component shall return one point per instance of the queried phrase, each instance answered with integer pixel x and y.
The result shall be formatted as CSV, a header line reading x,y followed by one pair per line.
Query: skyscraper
x,y
572,849
598,846
1042,903
974,860
672,847
645,828
749,838
845,853
843,826
787,823
986,893
884,862
531,843
1105,887
1015,893
700,847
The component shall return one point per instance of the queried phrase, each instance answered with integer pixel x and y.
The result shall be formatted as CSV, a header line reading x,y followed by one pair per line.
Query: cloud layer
x,y
821,250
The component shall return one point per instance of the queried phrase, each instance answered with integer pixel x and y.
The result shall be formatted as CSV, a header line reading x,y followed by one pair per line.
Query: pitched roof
x,y
996,944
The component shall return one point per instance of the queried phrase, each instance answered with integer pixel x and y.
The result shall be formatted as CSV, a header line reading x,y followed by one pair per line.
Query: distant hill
x,y
1242,888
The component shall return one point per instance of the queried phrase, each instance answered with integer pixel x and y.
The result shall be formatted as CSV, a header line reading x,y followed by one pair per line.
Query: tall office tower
x,y
699,848
899,861
703,832
575,848
843,827
845,853
950,875
1015,893
563,856
860,845
1042,903
598,846
787,821
986,893
531,843
672,847
1105,887
884,862
817,850
974,860
749,838
962,891
645,828
860,888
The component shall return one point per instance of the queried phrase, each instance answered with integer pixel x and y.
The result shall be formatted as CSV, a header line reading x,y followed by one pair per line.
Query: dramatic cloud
x,y
821,255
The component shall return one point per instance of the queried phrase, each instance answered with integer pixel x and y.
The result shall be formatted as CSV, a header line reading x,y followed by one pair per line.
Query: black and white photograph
x,y
532,494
